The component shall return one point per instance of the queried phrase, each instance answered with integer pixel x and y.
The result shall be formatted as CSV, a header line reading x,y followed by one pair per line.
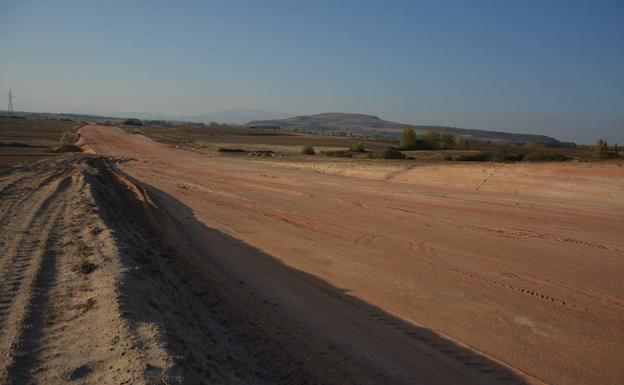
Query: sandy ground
x,y
85,294
169,266
474,273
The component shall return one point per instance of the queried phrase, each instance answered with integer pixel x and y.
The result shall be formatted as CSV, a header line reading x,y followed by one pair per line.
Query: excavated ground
x,y
85,294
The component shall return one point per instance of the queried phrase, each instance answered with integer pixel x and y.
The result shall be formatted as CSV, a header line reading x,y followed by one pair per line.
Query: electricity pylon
x,y
10,108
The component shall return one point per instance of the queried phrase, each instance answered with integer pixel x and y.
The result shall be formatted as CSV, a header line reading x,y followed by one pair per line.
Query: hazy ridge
x,y
369,125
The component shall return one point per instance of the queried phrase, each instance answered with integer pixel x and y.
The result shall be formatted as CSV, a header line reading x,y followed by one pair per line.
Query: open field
x,y
23,140
497,272
34,131
209,138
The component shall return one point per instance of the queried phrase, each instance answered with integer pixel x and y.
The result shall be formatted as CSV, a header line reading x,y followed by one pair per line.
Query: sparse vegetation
x,y
514,158
339,154
357,147
536,144
232,136
235,150
432,137
461,142
545,157
408,139
482,156
446,141
390,153
600,150
133,122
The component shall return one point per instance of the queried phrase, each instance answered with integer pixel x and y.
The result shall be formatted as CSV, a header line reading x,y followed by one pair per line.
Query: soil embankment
x,y
85,293
519,267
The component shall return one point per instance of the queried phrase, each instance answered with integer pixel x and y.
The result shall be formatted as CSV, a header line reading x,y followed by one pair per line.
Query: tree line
x,y
430,140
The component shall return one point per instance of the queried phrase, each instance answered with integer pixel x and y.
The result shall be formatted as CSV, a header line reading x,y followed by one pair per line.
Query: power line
x,y
10,108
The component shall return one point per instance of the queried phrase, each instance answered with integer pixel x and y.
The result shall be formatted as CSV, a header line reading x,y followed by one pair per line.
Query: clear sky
x,y
552,67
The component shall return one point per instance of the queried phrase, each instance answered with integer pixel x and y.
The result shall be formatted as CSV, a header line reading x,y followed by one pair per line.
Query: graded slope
x,y
511,271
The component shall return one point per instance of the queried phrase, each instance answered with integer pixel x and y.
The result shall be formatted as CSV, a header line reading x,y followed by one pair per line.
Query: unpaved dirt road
x,y
436,274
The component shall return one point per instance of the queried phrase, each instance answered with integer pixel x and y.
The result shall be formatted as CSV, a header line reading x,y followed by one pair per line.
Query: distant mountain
x,y
339,123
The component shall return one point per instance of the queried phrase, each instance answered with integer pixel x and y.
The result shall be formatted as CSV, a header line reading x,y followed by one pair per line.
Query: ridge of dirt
x,y
85,294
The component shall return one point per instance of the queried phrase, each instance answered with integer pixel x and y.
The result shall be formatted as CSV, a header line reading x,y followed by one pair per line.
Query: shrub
x,y
390,153
432,137
446,140
133,122
514,158
418,144
545,157
448,157
357,147
339,154
408,138
483,156
600,149
308,150
224,149
461,142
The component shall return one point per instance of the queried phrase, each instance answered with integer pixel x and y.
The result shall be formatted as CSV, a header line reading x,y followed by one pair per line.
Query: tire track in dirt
x,y
591,294
18,261
28,338
487,368
540,295
528,234
431,252
85,296
23,276
300,221
14,200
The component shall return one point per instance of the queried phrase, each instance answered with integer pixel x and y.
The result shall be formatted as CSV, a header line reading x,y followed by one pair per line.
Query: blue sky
x,y
553,67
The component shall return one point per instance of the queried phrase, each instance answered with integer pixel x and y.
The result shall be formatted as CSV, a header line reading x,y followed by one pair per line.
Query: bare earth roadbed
x,y
517,266
89,296
181,267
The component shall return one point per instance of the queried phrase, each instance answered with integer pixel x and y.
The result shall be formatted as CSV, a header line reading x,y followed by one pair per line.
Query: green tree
x,y
600,149
432,137
408,139
461,142
446,141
